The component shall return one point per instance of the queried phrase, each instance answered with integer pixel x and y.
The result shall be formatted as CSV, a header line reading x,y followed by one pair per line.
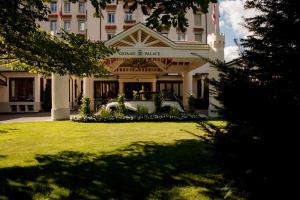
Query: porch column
x,y
121,87
88,90
37,93
154,86
60,98
187,87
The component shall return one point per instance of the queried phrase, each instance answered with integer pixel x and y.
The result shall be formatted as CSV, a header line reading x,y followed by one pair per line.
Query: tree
x,y
24,46
261,100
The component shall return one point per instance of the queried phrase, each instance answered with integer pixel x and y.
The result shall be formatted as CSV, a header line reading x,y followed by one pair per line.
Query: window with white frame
x,y
166,34
128,16
81,26
198,19
81,7
110,35
111,17
67,7
198,37
53,25
53,7
181,37
67,25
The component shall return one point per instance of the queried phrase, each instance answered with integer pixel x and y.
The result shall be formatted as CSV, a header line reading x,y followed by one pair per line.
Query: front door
x,y
135,87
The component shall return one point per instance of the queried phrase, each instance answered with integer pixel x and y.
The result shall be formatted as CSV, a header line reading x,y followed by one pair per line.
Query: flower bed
x,y
141,118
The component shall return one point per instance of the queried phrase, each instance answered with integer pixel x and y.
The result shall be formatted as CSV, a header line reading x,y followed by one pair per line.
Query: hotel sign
x,y
132,52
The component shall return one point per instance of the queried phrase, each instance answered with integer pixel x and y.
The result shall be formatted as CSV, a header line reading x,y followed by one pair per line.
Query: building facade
x,y
169,61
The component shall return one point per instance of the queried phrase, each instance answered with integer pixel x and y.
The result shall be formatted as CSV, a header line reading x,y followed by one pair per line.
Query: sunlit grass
x,y
57,160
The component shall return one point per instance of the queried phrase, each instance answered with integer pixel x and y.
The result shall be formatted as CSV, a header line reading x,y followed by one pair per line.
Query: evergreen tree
x,y
261,100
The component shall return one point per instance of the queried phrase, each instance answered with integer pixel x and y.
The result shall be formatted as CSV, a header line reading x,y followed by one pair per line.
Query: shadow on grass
x,y
142,170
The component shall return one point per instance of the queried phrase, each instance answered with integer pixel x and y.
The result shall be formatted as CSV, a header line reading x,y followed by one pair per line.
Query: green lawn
x,y
67,160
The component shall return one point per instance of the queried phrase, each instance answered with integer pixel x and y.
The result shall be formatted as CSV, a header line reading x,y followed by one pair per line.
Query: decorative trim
x,y
111,7
130,21
67,15
111,27
127,26
53,15
198,29
80,15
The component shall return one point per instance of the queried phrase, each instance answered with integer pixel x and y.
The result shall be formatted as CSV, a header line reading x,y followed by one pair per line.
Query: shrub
x,y
157,103
192,103
104,113
84,109
141,110
121,104
174,112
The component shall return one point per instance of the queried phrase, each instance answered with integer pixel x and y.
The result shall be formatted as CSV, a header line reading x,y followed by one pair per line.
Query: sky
x,y
231,20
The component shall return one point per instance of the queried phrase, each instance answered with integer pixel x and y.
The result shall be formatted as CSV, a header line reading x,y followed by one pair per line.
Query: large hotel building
x,y
147,60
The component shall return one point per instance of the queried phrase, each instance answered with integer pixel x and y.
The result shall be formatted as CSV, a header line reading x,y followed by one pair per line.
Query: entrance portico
x,y
145,56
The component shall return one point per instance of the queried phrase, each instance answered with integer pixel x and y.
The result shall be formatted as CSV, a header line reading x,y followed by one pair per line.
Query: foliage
x,y
120,117
174,112
157,102
104,113
163,14
192,103
261,99
25,47
142,110
121,104
84,109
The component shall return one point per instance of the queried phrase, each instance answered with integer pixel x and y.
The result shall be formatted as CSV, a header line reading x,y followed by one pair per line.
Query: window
x,y
110,35
170,88
165,34
105,90
198,19
67,7
111,18
53,25
21,89
112,1
81,26
53,7
128,16
198,37
181,36
67,25
81,7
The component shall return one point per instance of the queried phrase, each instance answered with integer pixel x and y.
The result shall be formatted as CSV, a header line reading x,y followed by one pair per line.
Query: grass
x,y
67,160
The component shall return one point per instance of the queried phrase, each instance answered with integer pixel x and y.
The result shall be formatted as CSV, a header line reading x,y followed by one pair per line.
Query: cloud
x,y
232,12
230,53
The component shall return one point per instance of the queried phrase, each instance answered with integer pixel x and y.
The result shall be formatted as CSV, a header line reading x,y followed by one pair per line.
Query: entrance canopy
x,y
140,49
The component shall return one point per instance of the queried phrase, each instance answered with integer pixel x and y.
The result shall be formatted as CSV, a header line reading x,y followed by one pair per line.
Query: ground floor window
x,y
104,90
169,88
202,101
21,89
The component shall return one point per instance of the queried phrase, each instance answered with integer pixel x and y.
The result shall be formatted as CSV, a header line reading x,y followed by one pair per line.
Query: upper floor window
x,y
181,36
67,7
198,19
53,7
110,35
198,37
111,18
81,7
81,26
53,25
165,34
128,16
67,25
